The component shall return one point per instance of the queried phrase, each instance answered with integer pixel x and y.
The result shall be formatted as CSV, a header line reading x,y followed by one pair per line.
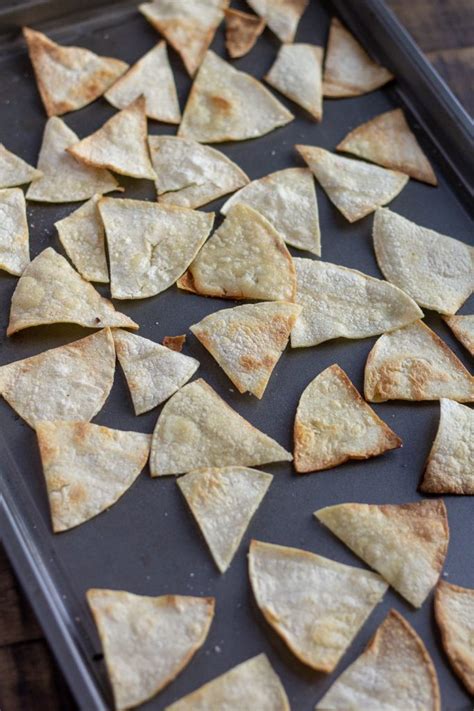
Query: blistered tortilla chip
x,y
405,543
394,672
348,70
69,77
247,341
463,328
437,271
175,343
87,468
223,502
14,234
51,291
242,30
228,105
150,245
454,611
71,382
413,363
196,429
15,171
297,74
287,198
282,16
190,174
356,188
147,641
315,604
153,372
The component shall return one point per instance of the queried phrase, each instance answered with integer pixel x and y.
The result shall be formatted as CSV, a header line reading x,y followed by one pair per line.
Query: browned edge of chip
x,y
174,343
462,666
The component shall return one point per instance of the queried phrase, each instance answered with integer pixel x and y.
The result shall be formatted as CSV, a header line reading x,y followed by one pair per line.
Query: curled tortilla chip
x,y
147,641
242,30
463,328
454,612
15,171
315,604
175,343
282,16
297,74
14,234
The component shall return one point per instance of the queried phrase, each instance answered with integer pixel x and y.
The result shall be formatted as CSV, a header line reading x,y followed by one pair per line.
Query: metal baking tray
x,y
148,543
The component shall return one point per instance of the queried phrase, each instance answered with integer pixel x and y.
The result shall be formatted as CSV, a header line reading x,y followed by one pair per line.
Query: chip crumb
x,y
175,343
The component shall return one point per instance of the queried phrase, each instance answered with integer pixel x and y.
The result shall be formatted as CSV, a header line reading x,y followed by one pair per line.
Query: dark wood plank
x,y
17,622
437,24
456,66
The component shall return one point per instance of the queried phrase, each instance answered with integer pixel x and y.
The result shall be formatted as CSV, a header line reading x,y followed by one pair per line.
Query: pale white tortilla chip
x,y
356,188
71,382
150,245
315,604
14,234
297,74
463,328
242,30
15,171
196,429
147,641
405,543
454,611
282,16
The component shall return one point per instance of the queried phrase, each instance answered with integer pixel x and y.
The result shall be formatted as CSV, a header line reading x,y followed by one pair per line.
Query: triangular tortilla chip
x,y
454,611
297,74
356,188
463,328
413,363
394,672
82,235
437,271
343,303
326,436
190,174
120,144
71,382
69,77
450,466
223,502
287,198
51,291
405,543
247,341
64,179
196,429
315,604
87,468
388,141
14,234
153,372
150,245
15,171
147,641
242,30
228,105
282,16
348,70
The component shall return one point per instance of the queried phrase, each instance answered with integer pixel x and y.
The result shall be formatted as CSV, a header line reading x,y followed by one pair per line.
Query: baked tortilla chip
x,y
87,468
315,604
454,612
435,270
228,105
175,343
51,291
15,171
242,30
150,245
405,543
153,372
356,188
190,174
197,429
463,328
14,234
69,78
394,672
282,16
147,641
413,363
297,74
71,382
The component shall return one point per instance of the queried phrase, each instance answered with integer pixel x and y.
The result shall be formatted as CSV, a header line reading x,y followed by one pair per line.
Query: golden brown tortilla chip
x,y
297,74
454,612
15,171
282,16
174,343
14,234
242,30
463,328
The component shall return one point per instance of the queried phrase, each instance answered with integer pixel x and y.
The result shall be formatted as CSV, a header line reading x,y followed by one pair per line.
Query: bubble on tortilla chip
x,y
315,604
297,74
242,31
15,171
228,105
14,234
281,16
147,641
463,328
175,343
454,612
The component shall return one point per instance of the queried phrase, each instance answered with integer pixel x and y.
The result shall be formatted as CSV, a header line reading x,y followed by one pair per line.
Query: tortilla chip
x,y
297,74
405,543
69,77
315,604
242,30
153,372
287,198
348,70
14,234
87,468
356,188
282,16
247,341
150,245
147,641
15,171
413,363
71,382
394,672
454,611
197,429
228,105
50,291
437,271
463,328
175,343
450,466
344,303
190,174
64,179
